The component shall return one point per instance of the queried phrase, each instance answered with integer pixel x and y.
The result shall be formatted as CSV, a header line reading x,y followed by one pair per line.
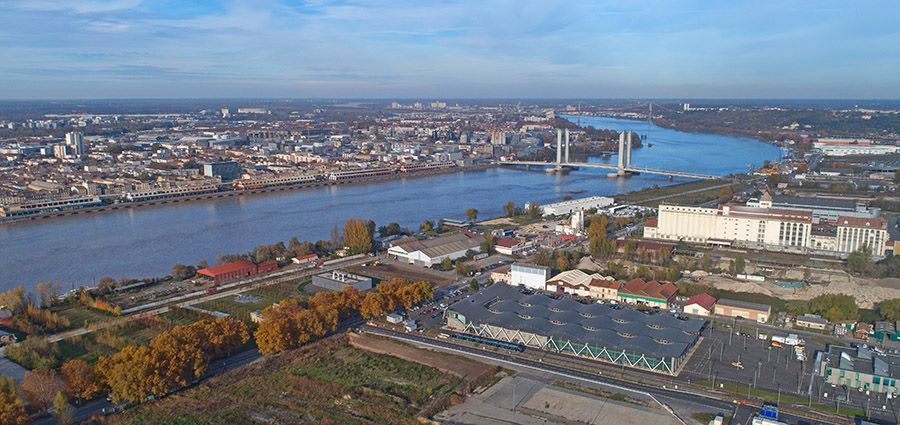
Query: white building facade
x,y
529,276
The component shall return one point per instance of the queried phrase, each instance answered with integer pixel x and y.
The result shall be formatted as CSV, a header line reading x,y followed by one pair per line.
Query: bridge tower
x,y
628,151
620,167
558,147
567,146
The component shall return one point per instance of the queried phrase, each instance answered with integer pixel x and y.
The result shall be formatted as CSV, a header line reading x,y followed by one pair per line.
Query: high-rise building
x,y
60,151
227,170
75,143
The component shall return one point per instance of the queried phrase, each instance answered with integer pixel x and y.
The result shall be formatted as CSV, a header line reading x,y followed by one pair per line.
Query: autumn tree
x,y
182,272
278,330
79,380
40,387
126,373
61,409
357,236
373,305
472,214
726,194
446,263
427,226
12,409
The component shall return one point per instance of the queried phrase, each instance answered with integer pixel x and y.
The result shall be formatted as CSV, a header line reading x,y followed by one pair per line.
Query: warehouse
x,y
654,342
581,204
860,369
428,252
745,310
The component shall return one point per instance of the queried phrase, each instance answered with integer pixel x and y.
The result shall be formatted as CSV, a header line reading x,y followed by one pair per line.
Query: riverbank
x,y
236,192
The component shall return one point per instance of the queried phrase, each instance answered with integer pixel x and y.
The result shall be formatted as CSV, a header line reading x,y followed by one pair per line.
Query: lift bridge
x,y
622,169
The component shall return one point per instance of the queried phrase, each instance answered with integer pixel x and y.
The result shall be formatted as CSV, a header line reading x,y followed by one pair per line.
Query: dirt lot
x,y
459,366
867,292
390,268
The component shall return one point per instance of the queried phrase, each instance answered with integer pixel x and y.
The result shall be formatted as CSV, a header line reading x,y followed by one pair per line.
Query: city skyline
x,y
142,49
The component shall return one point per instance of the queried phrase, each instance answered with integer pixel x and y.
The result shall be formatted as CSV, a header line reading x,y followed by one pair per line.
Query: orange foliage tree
x,y
79,381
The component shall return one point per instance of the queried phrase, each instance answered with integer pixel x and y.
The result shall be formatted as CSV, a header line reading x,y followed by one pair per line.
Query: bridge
x,y
613,167
622,168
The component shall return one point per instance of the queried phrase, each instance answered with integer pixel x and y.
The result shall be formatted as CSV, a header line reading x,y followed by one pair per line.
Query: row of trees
x,y
171,360
289,324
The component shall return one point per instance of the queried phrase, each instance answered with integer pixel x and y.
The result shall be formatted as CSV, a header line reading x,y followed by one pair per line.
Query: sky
x,y
63,49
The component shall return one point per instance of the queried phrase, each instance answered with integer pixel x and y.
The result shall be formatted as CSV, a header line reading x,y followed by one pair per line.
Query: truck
x,y
793,339
779,339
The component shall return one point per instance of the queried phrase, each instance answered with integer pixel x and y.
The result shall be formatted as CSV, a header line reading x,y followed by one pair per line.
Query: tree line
x,y
289,324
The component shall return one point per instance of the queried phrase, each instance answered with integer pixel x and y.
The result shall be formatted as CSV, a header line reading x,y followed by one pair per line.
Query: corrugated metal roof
x,y
655,335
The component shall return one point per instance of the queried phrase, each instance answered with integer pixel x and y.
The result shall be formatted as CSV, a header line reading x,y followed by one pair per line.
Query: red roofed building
x,y
652,293
700,304
510,246
229,271
305,259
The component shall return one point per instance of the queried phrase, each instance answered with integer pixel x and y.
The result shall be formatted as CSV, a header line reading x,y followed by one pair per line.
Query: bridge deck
x,y
615,168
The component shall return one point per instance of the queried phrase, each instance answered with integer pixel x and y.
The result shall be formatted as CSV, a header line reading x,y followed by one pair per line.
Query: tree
x,y
835,307
40,387
182,272
471,214
61,409
427,226
372,305
487,243
897,176
726,194
740,264
859,261
463,268
357,236
446,263
12,409
79,381
890,309
510,209
473,285
389,230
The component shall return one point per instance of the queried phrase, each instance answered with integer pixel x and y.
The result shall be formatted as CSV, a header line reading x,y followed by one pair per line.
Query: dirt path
x,y
448,363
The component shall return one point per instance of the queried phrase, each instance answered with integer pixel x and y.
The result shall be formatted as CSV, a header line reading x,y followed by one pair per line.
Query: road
x,y
656,391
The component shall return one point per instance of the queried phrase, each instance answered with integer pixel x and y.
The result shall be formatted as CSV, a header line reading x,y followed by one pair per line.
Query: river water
x,y
147,241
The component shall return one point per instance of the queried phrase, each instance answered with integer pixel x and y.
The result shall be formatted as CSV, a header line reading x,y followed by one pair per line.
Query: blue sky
x,y
449,49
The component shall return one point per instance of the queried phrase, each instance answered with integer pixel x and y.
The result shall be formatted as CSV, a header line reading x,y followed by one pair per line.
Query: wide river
x,y
147,241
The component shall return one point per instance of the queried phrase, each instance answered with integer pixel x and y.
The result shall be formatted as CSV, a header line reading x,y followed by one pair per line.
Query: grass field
x,y
267,296
327,382
79,316
91,346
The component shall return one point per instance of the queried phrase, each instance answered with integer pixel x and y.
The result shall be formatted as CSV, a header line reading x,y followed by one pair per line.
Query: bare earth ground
x,y
448,363
867,292
522,400
390,268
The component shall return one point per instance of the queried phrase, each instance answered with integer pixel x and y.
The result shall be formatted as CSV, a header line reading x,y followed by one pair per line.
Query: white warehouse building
x,y
568,207
529,275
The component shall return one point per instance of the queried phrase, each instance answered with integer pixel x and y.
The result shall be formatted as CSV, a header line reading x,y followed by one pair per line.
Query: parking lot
x,y
766,371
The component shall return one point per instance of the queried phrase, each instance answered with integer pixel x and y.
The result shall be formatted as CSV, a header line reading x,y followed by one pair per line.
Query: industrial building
x,y
337,280
700,305
860,369
743,309
654,342
582,204
236,270
651,294
529,275
822,209
428,252
577,282
765,227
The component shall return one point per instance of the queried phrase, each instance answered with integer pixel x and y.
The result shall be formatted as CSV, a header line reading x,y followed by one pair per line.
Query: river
x,y
147,241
